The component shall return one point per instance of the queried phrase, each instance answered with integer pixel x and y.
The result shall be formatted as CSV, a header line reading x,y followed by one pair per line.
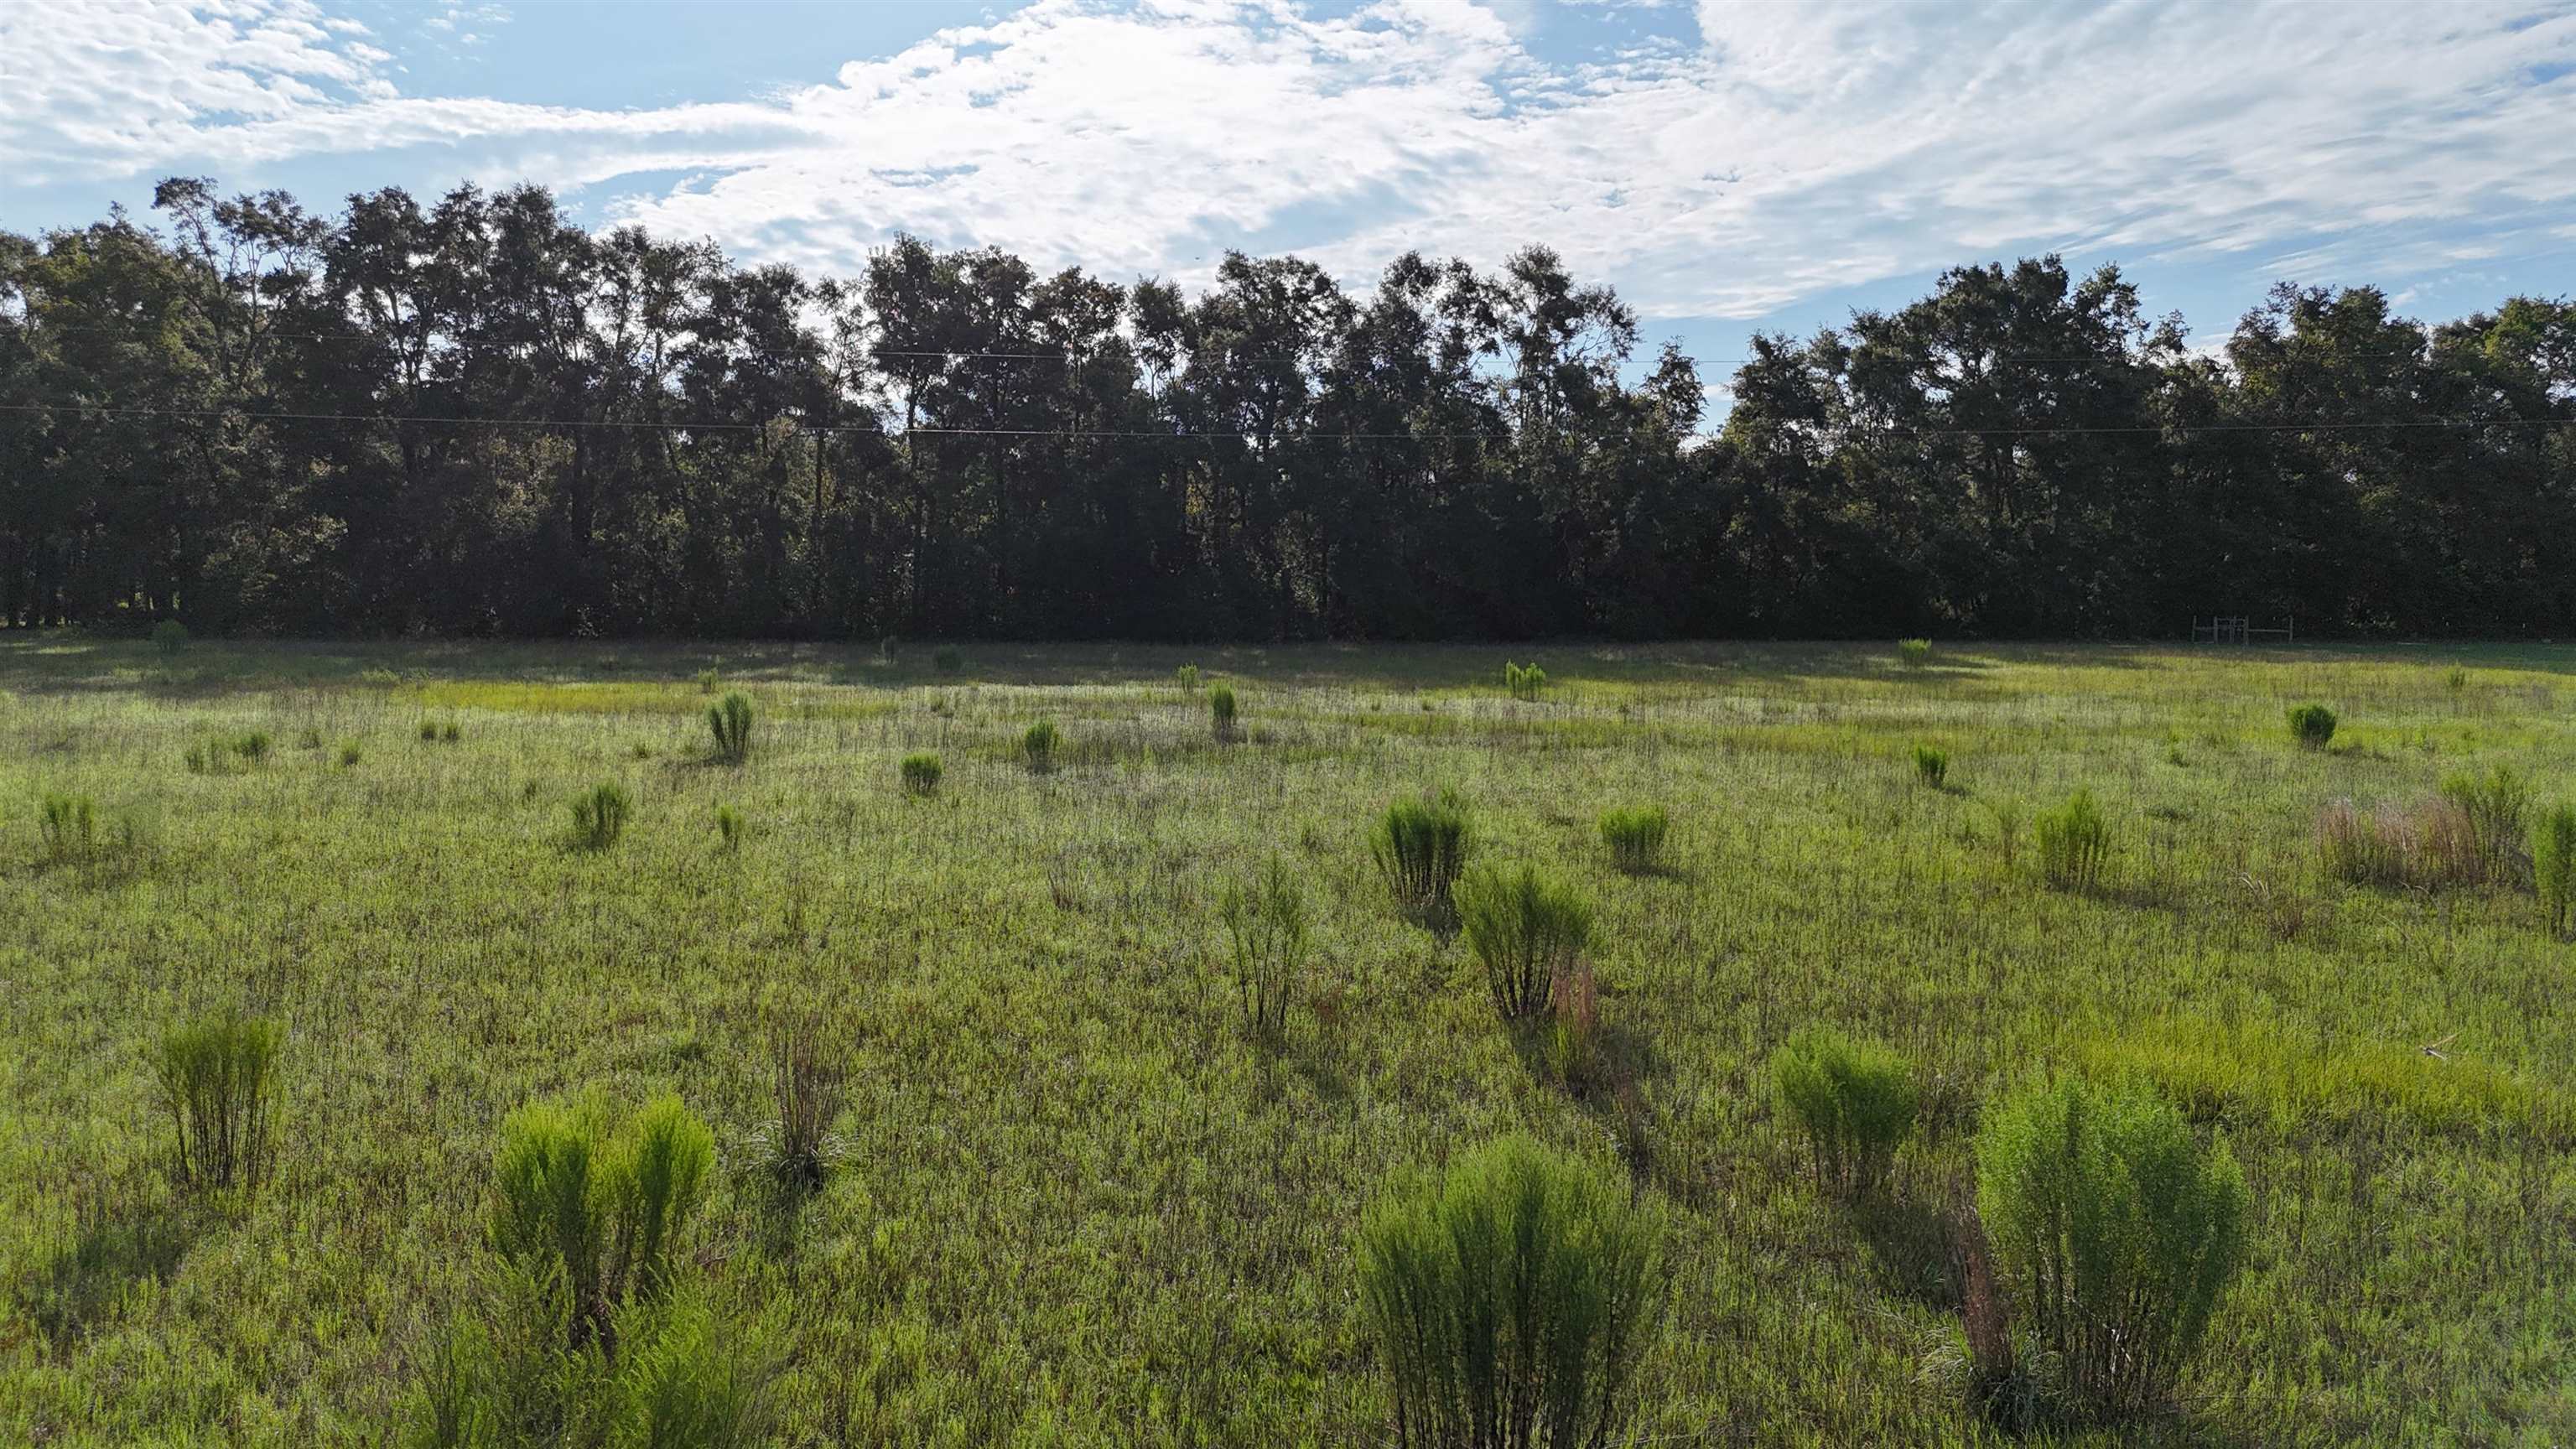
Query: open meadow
x,y
1070,1188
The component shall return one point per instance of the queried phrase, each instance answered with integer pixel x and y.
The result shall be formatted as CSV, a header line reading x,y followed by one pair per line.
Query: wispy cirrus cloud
x,y
1729,162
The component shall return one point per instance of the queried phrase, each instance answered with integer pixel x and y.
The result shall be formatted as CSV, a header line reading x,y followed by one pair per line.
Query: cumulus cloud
x,y
1734,160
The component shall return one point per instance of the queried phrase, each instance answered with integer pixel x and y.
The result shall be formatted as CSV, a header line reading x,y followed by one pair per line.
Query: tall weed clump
x,y
1420,846
806,1076
1524,681
1855,1101
2074,843
599,815
1221,712
1265,923
2495,804
602,1217
2429,845
1914,653
1931,765
921,774
1510,1302
1038,746
2553,865
1527,930
68,826
2312,725
2116,1232
1635,835
217,1079
729,720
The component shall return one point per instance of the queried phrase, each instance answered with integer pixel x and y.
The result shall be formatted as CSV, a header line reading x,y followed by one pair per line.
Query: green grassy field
x,y
1073,1203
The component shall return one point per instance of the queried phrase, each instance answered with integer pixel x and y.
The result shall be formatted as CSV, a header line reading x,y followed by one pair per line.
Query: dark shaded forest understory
x,y
473,418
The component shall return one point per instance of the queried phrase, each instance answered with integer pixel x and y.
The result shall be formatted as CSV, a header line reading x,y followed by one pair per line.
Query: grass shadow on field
x,y
114,1250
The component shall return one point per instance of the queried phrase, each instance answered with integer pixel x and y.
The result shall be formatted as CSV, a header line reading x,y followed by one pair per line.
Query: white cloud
x,y
1782,151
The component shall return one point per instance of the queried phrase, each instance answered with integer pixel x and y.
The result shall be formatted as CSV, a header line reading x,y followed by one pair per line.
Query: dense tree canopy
x,y
476,418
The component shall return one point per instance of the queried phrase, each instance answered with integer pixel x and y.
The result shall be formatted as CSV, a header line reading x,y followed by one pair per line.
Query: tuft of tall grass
x,y
806,1077
1038,746
1931,765
68,825
1635,835
2116,1231
350,754
921,774
1221,712
2430,845
729,827
2074,843
2553,865
1524,681
599,815
1527,929
1265,923
1420,846
1855,1100
1187,678
1510,1302
2494,804
709,681
1914,653
2312,725
217,1078
729,721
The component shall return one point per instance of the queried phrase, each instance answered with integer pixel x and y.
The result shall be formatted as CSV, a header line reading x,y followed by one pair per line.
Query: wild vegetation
x,y
974,1116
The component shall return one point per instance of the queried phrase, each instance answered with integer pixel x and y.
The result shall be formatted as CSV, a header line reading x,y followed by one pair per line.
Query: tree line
x,y
474,417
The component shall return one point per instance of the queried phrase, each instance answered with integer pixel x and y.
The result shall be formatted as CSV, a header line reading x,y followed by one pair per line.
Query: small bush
x,y
1221,712
1420,845
1265,921
2116,1233
250,748
69,826
947,660
729,721
2553,865
1635,835
1527,930
1914,653
806,1077
429,731
2495,804
450,732
217,1080
1038,746
921,774
350,754
308,738
2074,843
605,1219
170,637
1510,1302
709,681
1931,765
2312,725
729,827
1855,1101
599,815
1524,681
2455,679
684,1383
1187,677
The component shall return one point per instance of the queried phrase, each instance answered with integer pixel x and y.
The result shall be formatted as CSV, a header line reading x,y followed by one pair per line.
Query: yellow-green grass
x,y
1074,1201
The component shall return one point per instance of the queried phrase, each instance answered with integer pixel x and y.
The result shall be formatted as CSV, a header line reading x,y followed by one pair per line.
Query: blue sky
x,y
1729,165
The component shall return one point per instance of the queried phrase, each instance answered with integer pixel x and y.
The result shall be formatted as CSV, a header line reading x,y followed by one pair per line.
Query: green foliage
x,y
683,1384
217,1080
947,660
709,681
2494,804
1635,835
729,721
2312,725
602,1217
1265,921
2116,1232
1221,711
2074,843
440,732
729,826
1914,653
1038,746
1526,929
1855,1101
1931,765
921,774
1510,1303
1187,677
1524,681
350,754
170,637
1420,845
599,815
2553,865
68,825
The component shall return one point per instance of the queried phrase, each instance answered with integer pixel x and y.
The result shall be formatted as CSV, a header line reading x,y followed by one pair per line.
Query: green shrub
x,y
1635,835
2553,865
2074,843
2495,804
2312,725
1187,677
429,731
921,774
217,1078
1221,711
308,738
683,1383
170,637
1931,765
729,827
599,815
709,681
1510,1303
450,732
729,721
1265,921
1038,746
69,826
1855,1101
1914,653
605,1219
1420,845
2455,679
250,748
350,754
2116,1233
947,660
1526,929
1525,681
